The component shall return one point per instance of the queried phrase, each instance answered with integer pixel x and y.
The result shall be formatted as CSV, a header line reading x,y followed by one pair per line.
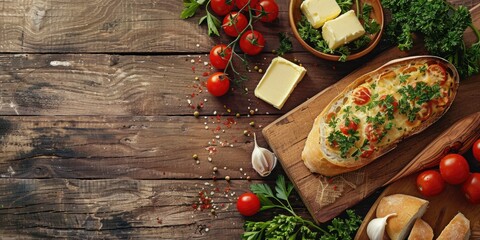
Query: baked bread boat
x,y
378,110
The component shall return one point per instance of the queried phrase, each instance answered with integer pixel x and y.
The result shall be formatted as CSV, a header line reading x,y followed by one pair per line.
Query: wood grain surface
x,y
327,197
97,129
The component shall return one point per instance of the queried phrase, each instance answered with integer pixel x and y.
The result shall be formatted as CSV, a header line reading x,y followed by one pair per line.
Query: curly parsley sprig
x,y
429,18
293,227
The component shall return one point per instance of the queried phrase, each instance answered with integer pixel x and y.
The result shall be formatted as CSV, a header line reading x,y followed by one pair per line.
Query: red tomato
x,y
234,23
471,188
218,84
351,126
425,112
220,55
454,168
252,42
248,204
367,152
371,133
221,7
243,3
268,9
361,95
430,183
394,103
438,73
476,150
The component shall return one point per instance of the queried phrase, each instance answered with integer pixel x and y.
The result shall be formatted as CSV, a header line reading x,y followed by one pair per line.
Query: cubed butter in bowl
x,y
320,11
342,30
278,82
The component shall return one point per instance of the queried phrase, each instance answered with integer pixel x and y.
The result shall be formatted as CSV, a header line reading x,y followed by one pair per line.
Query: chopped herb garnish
x,y
345,142
403,78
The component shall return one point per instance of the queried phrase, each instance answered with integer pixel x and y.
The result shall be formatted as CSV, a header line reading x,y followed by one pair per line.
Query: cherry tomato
x,y
361,95
252,42
425,112
234,23
221,7
471,188
393,102
438,73
248,204
268,9
372,133
476,150
351,126
220,55
218,84
242,3
454,168
330,116
430,183
367,152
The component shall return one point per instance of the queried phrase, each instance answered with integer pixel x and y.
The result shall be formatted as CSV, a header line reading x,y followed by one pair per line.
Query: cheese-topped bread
x,y
378,110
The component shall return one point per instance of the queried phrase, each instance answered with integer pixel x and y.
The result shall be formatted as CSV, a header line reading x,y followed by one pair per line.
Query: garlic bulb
x,y
376,227
263,161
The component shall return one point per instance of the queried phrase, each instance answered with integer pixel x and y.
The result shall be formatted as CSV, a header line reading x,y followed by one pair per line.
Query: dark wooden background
x,y
97,132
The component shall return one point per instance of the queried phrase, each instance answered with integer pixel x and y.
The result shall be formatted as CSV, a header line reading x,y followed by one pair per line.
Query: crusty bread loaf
x,y
421,231
321,155
457,228
407,208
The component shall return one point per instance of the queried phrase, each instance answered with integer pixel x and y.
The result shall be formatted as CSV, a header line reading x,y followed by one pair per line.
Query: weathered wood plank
x,y
121,209
98,84
112,26
135,147
116,26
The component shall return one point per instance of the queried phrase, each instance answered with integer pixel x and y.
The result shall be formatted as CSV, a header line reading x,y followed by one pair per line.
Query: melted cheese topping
x,y
398,100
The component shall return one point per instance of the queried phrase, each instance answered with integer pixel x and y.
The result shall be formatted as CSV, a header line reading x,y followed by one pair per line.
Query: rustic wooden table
x,y
97,127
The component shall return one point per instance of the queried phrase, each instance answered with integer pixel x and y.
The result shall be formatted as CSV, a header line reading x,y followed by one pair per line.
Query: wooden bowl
x,y
295,14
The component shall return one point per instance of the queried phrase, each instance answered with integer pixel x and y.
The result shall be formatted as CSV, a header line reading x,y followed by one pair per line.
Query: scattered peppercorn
x,y
196,114
237,115
197,78
227,178
252,123
256,68
215,169
245,132
195,156
248,178
252,112
260,70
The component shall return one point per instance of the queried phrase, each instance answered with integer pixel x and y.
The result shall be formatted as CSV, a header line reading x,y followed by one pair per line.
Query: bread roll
x,y
407,208
421,231
377,110
457,228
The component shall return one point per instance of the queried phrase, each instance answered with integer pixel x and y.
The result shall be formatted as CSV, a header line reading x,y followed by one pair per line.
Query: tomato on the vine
x,y
476,150
220,55
252,42
221,7
430,183
268,9
471,188
248,204
234,23
361,96
454,168
438,73
218,84
242,3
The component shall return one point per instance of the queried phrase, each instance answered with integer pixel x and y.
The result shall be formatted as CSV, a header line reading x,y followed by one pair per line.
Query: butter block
x,y
320,11
342,30
278,82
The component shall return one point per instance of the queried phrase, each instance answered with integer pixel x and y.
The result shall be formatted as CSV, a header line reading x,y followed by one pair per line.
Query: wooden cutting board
x,y
325,197
441,208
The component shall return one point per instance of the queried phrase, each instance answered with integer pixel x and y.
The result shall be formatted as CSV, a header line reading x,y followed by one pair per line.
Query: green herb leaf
x,y
190,8
285,44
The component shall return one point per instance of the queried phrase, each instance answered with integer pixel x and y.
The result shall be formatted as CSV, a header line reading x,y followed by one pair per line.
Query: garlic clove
x,y
263,160
376,227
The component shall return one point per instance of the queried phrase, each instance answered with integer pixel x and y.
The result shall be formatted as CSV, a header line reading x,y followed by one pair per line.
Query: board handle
x,y
457,138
